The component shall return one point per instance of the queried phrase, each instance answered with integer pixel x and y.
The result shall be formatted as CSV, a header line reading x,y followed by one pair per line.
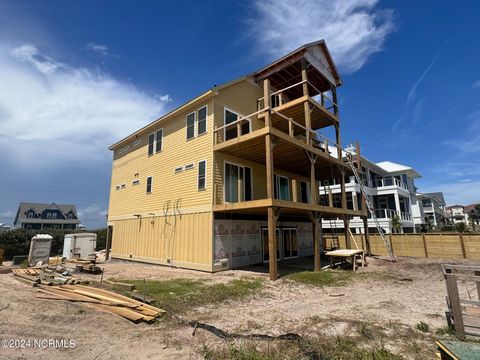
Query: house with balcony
x,y
34,216
391,190
231,177
434,209
457,214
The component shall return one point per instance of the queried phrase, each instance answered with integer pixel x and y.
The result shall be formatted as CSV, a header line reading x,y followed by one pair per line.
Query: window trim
x,y
206,120
225,108
151,185
225,162
156,141
153,144
194,125
198,175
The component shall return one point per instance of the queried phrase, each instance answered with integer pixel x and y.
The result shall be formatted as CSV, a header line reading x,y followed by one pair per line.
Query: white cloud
x,y
353,29
50,111
100,49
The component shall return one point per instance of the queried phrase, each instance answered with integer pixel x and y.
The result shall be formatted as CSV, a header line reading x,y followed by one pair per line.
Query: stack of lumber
x,y
124,306
85,265
28,271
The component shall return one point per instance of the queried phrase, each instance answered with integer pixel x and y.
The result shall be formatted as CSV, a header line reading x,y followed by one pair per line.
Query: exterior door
x,y
265,244
289,240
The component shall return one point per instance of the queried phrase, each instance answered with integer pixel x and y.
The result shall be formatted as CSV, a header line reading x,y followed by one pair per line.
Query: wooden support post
x,y
462,245
269,165
367,236
317,231
313,182
108,242
334,98
239,129
452,292
266,101
424,245
346,227
338,141
330,197
291,132
306,104
294,190
272,243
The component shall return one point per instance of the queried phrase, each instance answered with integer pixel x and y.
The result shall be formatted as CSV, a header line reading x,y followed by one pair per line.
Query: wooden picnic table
x,y
346,254
458,350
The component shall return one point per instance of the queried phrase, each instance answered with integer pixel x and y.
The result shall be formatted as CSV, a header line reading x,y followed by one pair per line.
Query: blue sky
x,y
77,76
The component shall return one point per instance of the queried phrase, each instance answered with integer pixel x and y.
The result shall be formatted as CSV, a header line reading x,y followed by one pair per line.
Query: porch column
x,y
346,225
397,203
367,235
342,188
306,104
313,181
317,233
272,243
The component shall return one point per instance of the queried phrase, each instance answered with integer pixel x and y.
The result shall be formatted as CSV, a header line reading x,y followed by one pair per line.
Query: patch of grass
x,y
324,277
423,327
445,330
338,349
177,295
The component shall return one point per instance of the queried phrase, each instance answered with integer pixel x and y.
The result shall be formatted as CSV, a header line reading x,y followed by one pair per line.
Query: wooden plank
x,y
452,291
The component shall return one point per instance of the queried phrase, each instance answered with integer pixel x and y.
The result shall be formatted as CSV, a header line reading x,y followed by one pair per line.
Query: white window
x,y
54,215
282,187
178,169
135,182
231,132
202,120
149,184
237,183
202,178
188,166
191,126
49,215
151,144
158,140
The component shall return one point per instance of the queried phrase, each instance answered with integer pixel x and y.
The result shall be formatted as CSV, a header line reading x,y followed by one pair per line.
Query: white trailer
x,y
81,245
39,249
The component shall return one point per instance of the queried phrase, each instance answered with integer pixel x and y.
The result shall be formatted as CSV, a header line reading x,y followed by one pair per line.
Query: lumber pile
x,y
33,271
124,306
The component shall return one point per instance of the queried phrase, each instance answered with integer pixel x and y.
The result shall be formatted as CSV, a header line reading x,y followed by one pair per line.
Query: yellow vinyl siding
x,y
184,240
168,187
240,98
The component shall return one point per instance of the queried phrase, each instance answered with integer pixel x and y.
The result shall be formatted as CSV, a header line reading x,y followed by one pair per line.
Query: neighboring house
x,y
230,178
457,214
4,227
46,216
434,209
391,190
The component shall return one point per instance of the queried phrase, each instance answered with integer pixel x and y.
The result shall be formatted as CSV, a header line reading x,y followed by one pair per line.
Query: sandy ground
x,y
394,295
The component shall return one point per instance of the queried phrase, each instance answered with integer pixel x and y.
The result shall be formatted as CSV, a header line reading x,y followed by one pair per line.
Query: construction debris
x,y
124,306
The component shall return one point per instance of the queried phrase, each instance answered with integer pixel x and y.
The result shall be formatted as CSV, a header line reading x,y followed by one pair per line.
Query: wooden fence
x,y
434,245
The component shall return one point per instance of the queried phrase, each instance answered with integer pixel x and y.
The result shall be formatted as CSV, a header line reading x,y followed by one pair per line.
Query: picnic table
x,y
458,350
347,254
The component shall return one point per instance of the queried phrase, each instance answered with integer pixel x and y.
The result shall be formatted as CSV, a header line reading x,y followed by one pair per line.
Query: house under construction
x,y
231,178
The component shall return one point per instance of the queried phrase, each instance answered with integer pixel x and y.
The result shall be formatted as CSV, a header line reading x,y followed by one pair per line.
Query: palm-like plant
x,y
461,227
396,223
474,215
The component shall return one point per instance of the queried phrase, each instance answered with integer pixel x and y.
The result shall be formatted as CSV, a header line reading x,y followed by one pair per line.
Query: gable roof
x,y
24,207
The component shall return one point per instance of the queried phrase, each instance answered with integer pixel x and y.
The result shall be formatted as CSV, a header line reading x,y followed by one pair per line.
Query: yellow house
x,y
231,177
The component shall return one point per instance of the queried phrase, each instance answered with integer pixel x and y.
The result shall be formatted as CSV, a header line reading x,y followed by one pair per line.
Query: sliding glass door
x,y
237,183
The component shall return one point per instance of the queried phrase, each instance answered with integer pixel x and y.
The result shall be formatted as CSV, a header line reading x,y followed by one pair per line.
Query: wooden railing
x,y
320,97
217,132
